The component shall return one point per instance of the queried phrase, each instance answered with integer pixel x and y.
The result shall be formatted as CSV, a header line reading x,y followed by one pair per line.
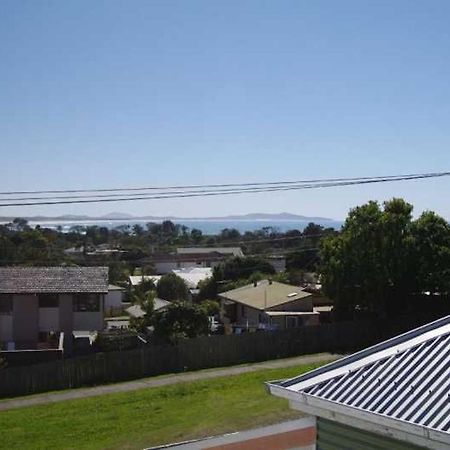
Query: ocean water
x,y
206,226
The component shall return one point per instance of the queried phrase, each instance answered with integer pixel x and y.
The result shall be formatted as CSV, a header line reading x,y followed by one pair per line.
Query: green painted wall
x,y
336,436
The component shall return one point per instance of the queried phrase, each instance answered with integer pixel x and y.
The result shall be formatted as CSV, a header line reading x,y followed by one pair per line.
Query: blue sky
x,y
136,93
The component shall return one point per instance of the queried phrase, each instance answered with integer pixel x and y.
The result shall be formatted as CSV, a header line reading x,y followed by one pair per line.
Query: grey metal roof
x,y
235,251
35,280
406,378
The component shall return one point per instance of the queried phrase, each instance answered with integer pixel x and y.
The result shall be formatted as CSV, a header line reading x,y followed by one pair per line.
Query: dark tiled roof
x,y
21,280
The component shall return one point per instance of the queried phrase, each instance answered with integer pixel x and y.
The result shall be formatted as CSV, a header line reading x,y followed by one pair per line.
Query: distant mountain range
x,y
124,217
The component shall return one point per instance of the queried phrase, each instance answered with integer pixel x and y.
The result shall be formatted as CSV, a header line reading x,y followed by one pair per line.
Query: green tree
x,y
147,303
180,320
237,268
172,288
366,266
207,289
381,258
431,235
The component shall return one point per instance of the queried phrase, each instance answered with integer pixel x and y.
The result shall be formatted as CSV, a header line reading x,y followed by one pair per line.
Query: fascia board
x,y
366,420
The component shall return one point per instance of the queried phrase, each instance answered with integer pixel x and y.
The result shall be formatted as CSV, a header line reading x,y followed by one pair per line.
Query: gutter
x,y
369,421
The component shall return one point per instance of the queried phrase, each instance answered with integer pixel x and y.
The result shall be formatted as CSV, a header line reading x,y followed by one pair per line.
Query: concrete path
x,y
164,380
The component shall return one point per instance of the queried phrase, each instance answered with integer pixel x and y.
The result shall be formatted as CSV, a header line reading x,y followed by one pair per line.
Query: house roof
x,y
35,280
137,311
235,251
113,287
137,279
193,275
403,383
291,313
265,294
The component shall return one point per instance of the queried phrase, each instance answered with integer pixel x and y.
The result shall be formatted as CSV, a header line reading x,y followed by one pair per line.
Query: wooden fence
x,y
193,354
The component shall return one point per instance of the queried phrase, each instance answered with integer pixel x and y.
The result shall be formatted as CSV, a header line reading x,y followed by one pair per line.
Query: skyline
x,y
157,93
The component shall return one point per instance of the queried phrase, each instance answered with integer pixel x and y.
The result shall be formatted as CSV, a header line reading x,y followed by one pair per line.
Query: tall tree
x,y
181,320
172,288
372,264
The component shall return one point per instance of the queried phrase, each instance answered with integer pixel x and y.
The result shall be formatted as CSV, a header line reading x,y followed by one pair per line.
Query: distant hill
x,y
267,216
284,216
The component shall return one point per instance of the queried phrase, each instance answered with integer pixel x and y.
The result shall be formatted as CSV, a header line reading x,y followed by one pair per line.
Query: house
x,y
38,302
135,280
199,251
268,304
394,395
193,275
114,299
193,257
158,305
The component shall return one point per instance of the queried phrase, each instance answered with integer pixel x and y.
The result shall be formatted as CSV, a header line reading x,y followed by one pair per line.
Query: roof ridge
x,y
414,337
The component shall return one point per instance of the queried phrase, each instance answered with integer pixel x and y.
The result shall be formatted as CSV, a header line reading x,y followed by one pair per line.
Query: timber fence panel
x,y
193,354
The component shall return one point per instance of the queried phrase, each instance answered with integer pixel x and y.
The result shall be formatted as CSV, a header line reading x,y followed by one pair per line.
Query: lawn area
x,y
146,417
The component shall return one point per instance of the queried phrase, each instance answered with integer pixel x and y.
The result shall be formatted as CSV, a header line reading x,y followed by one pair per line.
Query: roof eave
x,y
366,420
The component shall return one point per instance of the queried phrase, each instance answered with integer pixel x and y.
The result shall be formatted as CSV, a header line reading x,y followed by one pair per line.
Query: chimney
x,y
270,280
255,283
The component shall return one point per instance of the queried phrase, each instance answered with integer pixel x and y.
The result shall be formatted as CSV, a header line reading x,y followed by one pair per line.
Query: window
x,y
86,303
48,300
5,305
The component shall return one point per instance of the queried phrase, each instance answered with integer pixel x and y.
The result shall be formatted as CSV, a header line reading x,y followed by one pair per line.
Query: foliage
x,y
211,307
236,268
180,320
147,303
302,259
172,288
132,247
431,235
207,289
382,258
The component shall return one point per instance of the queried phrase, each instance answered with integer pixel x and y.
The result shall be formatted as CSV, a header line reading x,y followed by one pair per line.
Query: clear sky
x,y
136,93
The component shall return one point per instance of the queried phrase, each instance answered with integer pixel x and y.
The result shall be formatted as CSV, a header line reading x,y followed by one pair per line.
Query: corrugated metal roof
x,y
265,294
137,279
35,280
235,251
193,275
406,378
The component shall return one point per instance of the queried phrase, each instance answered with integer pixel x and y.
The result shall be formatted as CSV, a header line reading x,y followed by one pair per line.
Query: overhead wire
x,y
206,192
217,185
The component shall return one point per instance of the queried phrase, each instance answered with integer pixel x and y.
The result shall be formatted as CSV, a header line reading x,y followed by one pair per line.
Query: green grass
x,y
148,417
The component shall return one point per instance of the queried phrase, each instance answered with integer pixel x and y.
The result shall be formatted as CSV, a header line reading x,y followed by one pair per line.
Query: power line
x,y
206,193
143,260
199,186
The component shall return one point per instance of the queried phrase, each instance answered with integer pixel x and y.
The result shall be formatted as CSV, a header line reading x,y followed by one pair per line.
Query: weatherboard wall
x,y
336,436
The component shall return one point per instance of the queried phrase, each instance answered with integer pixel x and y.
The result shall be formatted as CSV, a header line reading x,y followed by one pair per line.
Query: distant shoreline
x,y
207,226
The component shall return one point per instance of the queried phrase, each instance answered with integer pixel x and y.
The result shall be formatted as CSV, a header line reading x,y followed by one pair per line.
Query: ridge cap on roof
x,y
370,351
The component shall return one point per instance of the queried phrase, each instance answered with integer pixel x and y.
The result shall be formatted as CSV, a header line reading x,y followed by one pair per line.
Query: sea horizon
x,y
206,226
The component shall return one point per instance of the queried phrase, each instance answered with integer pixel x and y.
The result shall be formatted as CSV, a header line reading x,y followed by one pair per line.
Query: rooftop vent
x,y
292,294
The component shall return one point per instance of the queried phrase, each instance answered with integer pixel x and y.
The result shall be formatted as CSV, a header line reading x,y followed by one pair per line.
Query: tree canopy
x,y
382,258
172,288
181,320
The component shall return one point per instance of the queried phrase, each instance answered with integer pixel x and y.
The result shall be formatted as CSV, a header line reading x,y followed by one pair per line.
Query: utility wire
x,y
206,193
195,186
143,260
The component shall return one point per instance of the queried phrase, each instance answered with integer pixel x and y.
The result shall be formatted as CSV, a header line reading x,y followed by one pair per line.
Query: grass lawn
x,y
146,417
